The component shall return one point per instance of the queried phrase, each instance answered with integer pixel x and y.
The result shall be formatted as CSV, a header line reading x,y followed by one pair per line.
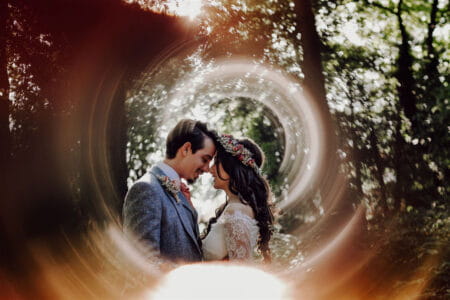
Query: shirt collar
x,y
169,171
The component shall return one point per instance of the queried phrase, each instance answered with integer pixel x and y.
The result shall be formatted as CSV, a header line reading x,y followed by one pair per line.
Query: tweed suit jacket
x,y
154,215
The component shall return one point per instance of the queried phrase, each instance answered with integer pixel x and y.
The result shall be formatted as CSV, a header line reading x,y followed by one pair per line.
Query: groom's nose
x,y
205,168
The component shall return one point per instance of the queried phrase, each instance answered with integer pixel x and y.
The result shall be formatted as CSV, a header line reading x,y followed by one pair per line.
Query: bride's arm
x,y
237,238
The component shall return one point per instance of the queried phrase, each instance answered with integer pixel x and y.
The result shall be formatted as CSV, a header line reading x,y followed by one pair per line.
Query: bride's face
x,y
220,182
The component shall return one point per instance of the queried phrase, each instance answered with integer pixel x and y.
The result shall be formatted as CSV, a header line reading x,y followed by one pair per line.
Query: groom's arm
x,y
142,214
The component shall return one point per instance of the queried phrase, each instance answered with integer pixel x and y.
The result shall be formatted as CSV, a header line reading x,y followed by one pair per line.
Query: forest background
x,y
73,132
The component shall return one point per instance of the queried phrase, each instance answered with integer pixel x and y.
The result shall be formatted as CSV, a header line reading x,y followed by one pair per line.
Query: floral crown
x,y
238,150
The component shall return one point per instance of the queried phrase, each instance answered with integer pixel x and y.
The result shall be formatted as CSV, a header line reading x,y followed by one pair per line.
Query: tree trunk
x,y
432,56
314,85
311,65
404,73
117,137
398,162
7,253
5,137
125,48
379,167
356,156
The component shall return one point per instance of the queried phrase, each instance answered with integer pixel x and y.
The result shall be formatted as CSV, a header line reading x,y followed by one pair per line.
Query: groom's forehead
x,y
208,147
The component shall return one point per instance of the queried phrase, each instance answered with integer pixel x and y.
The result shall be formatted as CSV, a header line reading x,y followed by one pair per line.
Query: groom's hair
x,y
188,130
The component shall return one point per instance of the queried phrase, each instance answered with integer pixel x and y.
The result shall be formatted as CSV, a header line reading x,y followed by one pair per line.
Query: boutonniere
x,y
170,186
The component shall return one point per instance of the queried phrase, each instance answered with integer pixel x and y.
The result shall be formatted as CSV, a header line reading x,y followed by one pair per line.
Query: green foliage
x,y
397,164
144,112
255,121
264,30
393,162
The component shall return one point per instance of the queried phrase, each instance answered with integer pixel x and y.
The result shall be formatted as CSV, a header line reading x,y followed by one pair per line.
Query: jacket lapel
x,y
186,220
187,205
191,210
183,210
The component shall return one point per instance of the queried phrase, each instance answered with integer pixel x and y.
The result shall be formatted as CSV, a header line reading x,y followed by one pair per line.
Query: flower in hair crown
x,y
170,186
238,150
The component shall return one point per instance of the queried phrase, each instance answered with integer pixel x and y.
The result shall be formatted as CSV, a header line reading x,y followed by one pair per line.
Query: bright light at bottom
x,y
219,281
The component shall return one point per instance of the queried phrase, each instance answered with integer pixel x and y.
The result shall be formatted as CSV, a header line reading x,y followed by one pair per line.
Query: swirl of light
x,y
300,119
193,96
105,263
298,115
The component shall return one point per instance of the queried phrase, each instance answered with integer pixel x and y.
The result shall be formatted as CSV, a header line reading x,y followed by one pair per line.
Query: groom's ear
x,y
185,148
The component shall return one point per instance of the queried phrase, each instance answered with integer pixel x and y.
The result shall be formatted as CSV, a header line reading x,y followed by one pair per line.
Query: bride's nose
x,y
212,169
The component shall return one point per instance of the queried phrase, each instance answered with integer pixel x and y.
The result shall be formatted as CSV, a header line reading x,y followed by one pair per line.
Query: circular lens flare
x,y
106,263
301,122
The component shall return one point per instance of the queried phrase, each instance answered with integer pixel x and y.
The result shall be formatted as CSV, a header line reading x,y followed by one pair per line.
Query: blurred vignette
x,y
63,188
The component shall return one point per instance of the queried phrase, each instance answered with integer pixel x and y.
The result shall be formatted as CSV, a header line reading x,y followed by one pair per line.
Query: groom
x,y
157,207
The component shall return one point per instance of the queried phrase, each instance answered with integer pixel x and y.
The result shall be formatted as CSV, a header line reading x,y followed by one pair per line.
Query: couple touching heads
x,y
159,211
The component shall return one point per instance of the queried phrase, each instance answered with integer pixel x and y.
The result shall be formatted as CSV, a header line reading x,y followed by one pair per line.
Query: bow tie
x,y
185,190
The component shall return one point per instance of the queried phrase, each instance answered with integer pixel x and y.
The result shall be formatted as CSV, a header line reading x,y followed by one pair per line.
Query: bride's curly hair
x,y
251,188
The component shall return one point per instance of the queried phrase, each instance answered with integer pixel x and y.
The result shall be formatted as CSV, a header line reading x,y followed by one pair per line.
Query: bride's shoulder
x,y
239,208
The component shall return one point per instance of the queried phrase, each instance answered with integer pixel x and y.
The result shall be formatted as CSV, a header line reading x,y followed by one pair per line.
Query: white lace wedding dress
x,y
233,236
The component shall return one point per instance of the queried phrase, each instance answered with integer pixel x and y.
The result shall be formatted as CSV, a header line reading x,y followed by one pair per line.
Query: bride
x,y
245,220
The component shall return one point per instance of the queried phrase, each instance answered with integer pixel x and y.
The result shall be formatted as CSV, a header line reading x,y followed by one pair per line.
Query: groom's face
x,y
195,164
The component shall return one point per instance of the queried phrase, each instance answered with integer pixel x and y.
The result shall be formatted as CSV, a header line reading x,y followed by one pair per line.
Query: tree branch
x,y
431,27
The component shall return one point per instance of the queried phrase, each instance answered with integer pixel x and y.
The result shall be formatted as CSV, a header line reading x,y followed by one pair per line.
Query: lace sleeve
x,y
237,238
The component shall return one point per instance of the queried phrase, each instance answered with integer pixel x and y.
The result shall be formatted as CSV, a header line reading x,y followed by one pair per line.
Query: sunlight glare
x,y
186,8
224,281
